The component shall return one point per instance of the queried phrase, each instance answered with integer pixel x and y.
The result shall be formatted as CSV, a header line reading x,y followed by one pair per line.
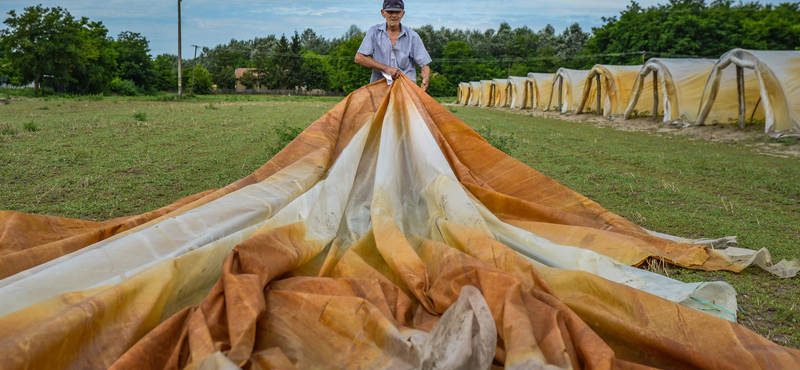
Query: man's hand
x,y
391,71
424,85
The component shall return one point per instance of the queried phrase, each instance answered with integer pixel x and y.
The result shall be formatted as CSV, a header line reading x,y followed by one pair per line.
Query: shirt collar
x,y
385,28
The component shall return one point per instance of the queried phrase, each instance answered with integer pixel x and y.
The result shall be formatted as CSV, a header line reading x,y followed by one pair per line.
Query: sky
x,y
213,22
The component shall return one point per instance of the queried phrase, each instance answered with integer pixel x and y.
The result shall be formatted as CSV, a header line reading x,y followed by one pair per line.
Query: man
x,y
394,48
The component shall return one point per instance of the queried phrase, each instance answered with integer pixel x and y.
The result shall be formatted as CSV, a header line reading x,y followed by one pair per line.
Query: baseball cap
x,y
393,5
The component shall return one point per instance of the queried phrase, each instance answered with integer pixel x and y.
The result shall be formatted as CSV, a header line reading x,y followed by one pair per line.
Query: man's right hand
x,y
394,72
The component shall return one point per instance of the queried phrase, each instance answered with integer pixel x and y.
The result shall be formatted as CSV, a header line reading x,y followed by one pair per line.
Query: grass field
x,y
100,158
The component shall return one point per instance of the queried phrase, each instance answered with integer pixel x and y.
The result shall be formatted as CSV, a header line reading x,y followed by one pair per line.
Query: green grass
x,y
93,159
98,160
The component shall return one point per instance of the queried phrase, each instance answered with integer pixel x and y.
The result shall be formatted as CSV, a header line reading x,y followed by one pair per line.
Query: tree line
x,y
58,52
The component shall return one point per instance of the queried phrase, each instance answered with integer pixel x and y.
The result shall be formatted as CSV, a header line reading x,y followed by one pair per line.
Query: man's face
x,y
392,17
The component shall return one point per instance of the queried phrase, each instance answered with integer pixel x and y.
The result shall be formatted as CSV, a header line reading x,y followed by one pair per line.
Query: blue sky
x,y
212,22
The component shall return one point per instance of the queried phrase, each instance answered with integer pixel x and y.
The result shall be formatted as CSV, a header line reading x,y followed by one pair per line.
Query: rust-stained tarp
x,y
387,235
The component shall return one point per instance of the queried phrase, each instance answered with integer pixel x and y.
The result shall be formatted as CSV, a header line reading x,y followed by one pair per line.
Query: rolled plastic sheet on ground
x,y
486,93
474,94
463,93
616,83
520,92
542,85
387,235
500,93
569,83
771,90
680,88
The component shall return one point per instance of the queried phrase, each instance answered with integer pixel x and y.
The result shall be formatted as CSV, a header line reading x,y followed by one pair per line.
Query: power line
x,y
505,59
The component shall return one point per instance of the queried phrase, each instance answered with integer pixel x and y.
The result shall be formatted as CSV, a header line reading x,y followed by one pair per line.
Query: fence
x,y
278,92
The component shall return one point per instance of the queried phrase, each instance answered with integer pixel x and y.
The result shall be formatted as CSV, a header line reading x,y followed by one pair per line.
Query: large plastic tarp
x,y
569,83
499,95
680,88
463,93
486,93
616,83
771,89
387,235
542,85
474,93
520,92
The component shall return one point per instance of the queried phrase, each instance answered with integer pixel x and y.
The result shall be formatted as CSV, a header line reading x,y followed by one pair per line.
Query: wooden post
x,y
599,93
560,91
655,96
180,76
740,90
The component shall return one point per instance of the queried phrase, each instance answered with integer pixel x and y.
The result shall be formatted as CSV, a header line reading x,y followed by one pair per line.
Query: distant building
x,y
239,72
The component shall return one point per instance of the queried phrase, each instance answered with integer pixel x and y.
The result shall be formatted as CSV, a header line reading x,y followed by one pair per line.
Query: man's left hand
x,y
424,85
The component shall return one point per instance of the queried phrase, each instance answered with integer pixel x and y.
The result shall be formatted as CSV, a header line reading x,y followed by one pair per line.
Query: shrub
x,y
123,87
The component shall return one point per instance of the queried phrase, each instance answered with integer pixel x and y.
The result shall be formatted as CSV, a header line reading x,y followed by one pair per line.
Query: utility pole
x,y
194,70
180,77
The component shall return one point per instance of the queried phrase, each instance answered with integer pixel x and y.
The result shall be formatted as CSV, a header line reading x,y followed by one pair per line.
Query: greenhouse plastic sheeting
x,y
571,82
474,93
680,88
771,89
520,92
387,235
499,93
486,93
463,93
542,85
615,89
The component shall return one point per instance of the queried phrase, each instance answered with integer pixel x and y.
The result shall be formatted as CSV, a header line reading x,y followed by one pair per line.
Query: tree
x,y
202,80
42,42
11,74
97,61
284,67
226,79
311,42
313,73
248,80
345,75
165,71
133,59
694,28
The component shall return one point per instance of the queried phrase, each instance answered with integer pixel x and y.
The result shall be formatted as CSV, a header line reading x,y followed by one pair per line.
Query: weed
x,y
284,135
140,116
30,126
211,106
44,108
452,110
8,130
506,142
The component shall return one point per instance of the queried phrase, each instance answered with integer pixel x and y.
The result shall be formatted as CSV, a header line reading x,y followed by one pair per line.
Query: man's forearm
x,y
426,78
367,61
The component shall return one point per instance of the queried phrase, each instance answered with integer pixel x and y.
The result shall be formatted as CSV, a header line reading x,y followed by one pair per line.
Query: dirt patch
x,y
752,136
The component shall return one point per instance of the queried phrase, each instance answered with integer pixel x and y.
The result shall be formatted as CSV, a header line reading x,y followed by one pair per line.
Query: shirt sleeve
x,y
368,46
418,52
